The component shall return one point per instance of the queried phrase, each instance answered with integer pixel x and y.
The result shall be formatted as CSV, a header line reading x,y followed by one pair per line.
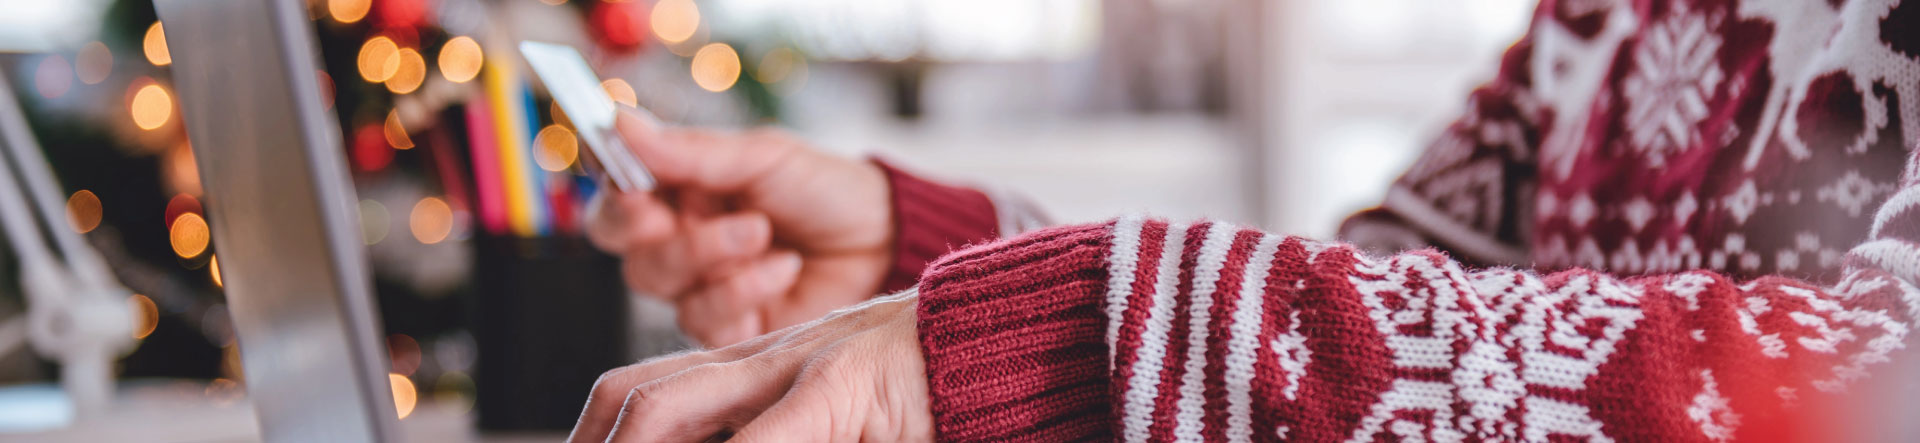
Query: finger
x,y
728,237
804,414
709,160
728,309
618,222
823,288
610,391
696,404
672,267
751,283
645,276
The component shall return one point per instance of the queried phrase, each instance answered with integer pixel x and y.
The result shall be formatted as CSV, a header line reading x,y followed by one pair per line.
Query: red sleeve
x,y
931,219
1143,330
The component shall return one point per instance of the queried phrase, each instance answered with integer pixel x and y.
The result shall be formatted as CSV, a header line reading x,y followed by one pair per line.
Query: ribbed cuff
x,y
929,220
1014,338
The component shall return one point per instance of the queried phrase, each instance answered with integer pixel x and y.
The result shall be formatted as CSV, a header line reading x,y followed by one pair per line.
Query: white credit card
x,y
578,91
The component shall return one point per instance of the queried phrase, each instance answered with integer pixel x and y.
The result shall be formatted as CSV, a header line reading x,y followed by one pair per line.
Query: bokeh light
x,y
560,116
396,133
224,391
94,63
83,211
53,77
326,87
379,59
554,2
180,204
146,316
404,353
782,65
453,390
431,220
620,91
618,26
404,394
348,11
155,44
181,171
674,21
230,364
402,14
213,267
216,324
374,221
151,106
460,59
411,72
189,235
369,151
716,67
555,148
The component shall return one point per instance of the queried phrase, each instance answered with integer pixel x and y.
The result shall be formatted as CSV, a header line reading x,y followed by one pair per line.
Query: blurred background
x,y
1287,115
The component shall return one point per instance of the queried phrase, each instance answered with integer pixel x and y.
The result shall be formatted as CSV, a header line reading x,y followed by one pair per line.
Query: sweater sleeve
x,y
931,219
1146,330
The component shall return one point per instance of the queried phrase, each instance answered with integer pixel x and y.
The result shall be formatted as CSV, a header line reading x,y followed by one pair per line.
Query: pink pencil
x,y
486,166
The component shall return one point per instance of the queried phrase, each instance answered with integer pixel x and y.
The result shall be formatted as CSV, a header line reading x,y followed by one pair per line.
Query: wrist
x,y
927,220
877,215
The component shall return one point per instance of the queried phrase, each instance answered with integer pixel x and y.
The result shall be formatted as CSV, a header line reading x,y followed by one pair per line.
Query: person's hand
x,y
855,375
749,232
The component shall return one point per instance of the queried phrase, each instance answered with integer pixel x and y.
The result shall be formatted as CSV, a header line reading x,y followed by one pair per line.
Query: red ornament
x,y
620,27
370,150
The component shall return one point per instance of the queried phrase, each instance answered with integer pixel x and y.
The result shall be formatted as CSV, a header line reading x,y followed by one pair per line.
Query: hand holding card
x,y
577,90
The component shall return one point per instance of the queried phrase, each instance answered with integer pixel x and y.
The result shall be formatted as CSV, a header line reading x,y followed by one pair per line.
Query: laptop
x,y
282,208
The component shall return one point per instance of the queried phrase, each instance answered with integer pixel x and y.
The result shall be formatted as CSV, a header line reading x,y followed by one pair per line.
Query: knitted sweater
x,y
1148,330
1703,175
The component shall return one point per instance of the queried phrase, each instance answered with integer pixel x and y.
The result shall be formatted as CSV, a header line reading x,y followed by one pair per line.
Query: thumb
x,y
707,160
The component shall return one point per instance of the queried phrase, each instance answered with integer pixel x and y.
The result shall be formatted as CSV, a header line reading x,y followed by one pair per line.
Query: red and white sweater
x,y
1148,330
1711,209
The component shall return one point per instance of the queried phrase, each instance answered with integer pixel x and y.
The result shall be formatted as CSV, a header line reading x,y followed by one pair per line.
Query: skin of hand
x,y
748,232
855,375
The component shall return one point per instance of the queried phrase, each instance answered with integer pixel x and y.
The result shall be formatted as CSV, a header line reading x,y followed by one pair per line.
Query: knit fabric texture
x,y
1714,203
1751,137
929,220
1146,330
